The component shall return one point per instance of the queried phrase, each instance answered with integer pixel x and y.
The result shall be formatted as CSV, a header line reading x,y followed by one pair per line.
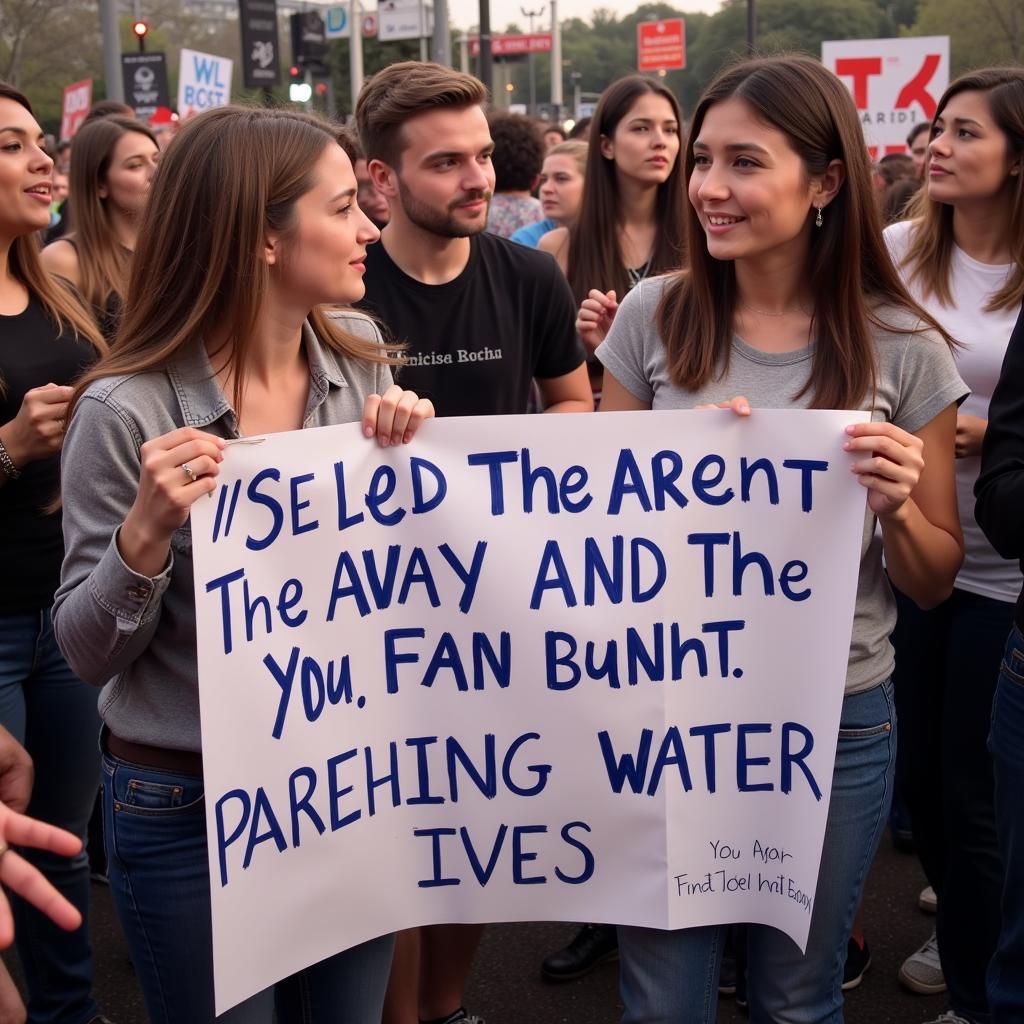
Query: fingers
x,y
21,830
395,416
171,440
21,877
51,394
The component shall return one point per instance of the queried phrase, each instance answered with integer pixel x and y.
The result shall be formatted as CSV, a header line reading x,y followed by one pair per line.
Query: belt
x,y
182,762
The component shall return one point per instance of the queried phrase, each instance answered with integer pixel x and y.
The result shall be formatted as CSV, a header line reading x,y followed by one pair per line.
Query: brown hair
x,y
849,271
102,259
400,92
231,174
595,259
931,244
577,149
23,264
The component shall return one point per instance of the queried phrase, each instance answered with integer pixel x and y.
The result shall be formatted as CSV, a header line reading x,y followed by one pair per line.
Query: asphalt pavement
x,y
506,987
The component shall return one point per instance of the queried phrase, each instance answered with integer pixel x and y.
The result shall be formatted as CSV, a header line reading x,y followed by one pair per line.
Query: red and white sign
x,y
896,83
77,100
661,45
514,46
370,25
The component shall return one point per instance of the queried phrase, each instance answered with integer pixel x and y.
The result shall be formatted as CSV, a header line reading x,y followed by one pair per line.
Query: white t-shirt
x,y
983,336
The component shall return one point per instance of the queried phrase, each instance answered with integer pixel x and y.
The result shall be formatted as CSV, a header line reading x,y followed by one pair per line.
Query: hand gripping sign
x,y
541,667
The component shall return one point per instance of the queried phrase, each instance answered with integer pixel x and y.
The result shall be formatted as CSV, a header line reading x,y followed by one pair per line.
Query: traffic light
x,y
298,90
139,30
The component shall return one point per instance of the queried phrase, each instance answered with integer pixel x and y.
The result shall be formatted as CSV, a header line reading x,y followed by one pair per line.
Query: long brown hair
x,y
849,273
931,244
231,175
23,264
595,259
102,259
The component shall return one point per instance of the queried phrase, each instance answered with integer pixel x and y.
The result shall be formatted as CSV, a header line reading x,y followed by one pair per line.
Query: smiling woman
x,y
254,223
46,340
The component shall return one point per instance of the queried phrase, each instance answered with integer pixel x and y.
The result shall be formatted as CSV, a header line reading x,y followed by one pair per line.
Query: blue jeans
x,y
53,713
1006,971
155,828
671,977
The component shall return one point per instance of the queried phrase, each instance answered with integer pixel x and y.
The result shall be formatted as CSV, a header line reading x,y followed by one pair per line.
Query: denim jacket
x,y
133,635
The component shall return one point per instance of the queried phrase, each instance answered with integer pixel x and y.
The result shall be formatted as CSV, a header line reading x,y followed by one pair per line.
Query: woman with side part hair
x,y
789,300
962,257
252,236
47,339
112,165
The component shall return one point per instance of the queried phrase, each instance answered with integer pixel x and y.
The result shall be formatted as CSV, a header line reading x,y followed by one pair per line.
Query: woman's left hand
x,y
395,416
970,432
893,465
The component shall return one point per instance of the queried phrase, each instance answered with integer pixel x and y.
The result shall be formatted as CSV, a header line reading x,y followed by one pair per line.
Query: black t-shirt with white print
x,y
476,343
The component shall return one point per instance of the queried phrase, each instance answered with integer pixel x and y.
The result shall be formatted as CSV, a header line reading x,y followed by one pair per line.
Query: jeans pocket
x,y
866,732
148,793
1013,662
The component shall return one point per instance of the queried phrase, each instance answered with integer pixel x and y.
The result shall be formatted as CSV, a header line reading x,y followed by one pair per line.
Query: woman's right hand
x,y
167,490
38,430
739,405
595,316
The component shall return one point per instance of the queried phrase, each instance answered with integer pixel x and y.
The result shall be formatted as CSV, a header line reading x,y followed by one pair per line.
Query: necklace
x,y
637,274
785,312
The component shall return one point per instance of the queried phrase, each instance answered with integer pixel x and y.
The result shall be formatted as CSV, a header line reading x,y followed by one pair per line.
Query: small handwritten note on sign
x,y
524,668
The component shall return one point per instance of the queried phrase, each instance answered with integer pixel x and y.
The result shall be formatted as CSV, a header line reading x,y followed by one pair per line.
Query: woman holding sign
x,y
962,257
255,223
791,301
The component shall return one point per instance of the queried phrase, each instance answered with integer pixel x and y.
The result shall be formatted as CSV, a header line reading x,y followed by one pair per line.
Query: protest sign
x,y
895,83
145,82
77,100
204,81
540,667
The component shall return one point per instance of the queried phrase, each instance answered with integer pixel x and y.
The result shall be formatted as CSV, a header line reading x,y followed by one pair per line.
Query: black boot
x,y
593,944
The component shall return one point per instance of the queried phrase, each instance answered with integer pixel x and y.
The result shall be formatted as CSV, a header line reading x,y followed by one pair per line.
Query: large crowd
x,y
163,296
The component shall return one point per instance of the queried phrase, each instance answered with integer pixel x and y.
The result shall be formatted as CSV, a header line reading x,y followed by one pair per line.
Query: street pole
x,y
751,25
355,50
533,67
442,34
486,62
111,50
423,31
464,53
556,63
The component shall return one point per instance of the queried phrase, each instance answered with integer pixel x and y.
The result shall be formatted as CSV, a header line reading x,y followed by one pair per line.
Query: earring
x,y
817,220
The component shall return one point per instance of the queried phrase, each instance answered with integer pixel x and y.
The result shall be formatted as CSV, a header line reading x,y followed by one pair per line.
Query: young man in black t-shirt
x,y
482,318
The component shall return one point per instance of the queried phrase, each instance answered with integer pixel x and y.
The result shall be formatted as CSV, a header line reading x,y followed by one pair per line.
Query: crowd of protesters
x,y
254,272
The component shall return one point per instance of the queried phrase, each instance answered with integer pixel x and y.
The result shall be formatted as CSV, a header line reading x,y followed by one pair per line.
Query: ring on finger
x,y
187,469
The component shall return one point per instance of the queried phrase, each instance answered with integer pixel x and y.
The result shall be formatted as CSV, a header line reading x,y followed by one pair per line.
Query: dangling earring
x,y
817,220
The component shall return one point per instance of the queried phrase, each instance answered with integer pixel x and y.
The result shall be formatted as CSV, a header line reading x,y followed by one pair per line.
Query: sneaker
x,y
928,901
593,944
461,1017
922,971
949,1018
858,960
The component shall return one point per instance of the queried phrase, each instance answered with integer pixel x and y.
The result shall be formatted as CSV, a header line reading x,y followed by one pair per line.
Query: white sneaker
x,y
928,901
948,1018
922,971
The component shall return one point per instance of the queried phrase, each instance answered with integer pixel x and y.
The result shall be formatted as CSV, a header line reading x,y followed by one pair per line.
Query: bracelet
x,y
7,465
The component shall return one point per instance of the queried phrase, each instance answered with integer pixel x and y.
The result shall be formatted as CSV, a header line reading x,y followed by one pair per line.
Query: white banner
x,y
204,81
896,83
403,20
524,668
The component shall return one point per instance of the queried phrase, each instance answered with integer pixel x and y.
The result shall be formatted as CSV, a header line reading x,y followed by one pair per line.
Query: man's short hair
x,y
401,92
518,152
922,126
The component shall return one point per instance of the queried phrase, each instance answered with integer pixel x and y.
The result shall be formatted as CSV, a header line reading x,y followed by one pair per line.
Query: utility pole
x,y
486,68
751,25
355,50
533,68
111,50
556,63
442,35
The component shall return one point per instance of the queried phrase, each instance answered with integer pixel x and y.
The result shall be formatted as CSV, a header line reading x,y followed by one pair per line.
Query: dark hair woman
x,y
789,297
254,220
112,165
962,257
48,340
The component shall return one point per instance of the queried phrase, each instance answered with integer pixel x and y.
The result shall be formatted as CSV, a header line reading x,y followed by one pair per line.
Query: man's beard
x,y
445,224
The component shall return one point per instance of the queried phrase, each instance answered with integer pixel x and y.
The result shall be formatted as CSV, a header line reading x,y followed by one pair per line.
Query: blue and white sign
x,y
337,22
204,82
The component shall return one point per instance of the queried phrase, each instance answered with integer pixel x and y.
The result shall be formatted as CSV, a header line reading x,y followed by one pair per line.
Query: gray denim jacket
x,y
133,635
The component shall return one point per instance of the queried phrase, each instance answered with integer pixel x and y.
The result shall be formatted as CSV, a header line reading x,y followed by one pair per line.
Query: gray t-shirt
x,y
916,380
